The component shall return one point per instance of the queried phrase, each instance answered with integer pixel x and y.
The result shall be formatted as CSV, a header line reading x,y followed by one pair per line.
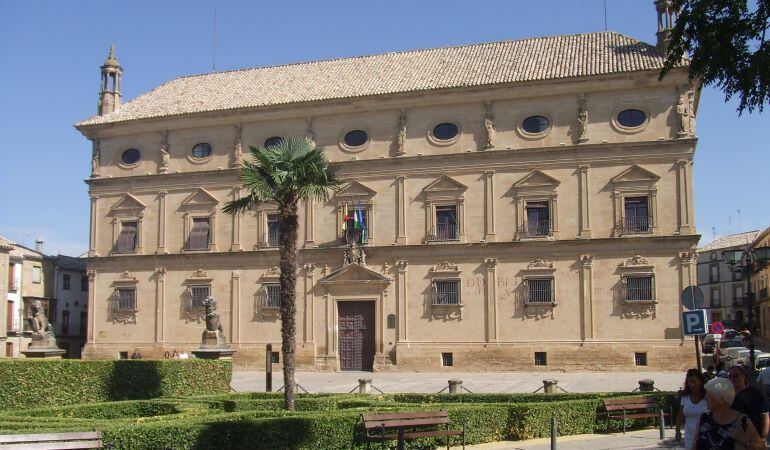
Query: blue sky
x,y
50,53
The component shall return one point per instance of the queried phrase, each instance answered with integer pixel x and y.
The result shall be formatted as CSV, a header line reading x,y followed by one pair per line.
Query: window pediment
x,y
354,273
635,176
537,180
128,204
444,187
201,197
199,276
126,279
355,191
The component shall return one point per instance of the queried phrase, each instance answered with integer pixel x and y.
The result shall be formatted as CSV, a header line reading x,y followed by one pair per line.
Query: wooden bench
x,y
54,441
631,408
401,427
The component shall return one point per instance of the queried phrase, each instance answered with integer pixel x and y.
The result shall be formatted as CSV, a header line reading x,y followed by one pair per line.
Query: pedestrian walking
x,y
692,405
723,428
748,400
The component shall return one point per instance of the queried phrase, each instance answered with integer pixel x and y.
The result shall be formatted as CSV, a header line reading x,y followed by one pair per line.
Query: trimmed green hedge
x,y
30,383
256,420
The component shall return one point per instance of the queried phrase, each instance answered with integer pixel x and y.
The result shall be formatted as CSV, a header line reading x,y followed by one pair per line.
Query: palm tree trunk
x,y
287,242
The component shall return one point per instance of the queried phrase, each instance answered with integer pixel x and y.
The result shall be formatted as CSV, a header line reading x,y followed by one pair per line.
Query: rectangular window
x,y
716,300
714,273
83,323
127,237
737,275
357,224
11,278
84,283
197,295
65,323
738,295
66,282
713,256
273,295
125,299
446,292
447,360
539,290
272,230
275,357
637,218
640,288
739,316
538,219
446,223
541,358
36,274
640,359
200,234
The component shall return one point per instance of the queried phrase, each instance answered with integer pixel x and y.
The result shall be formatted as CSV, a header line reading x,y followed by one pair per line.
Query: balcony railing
x,y
444,232
536,228
636,224
356,236
14,326
715,304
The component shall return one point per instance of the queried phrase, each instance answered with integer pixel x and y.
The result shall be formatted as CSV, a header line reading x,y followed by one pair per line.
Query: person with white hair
x,y
723,428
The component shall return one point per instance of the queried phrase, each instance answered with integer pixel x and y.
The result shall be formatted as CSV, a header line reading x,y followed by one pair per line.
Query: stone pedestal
x,y
550,386
213,346
646,385
364,385
455,386
43,345
213,353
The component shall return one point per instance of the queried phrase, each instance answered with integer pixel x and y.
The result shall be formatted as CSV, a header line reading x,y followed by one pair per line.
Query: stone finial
x,y
109,88
667,13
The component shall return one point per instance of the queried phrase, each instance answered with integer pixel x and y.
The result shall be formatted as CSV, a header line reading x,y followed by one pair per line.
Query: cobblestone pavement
x,y
642,439
390,382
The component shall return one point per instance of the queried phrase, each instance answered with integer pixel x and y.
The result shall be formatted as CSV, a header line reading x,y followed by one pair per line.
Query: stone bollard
x,y
364,385
646,385
550,386
455,386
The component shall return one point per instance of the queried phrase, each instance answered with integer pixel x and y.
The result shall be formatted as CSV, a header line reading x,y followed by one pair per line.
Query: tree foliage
x,y
726,41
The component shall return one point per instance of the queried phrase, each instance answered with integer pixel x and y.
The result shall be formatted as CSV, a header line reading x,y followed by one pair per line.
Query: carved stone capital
x,y
308,268
161,271
587,260
687,258
91,273
236,273
491,263
401,265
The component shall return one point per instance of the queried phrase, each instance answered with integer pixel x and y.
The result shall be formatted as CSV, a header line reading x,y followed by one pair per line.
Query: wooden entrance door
x,y
356,325
9,349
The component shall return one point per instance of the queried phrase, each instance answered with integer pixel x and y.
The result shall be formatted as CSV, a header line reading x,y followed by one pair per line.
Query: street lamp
x,y
748,262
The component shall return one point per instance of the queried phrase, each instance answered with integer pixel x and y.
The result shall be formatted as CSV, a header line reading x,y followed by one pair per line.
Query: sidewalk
x,y
649,438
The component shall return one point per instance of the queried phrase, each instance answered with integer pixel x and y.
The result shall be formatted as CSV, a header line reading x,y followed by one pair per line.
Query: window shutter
x,y
199,235
127,237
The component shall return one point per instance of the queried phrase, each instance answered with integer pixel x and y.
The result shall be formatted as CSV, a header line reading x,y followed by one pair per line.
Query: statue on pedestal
x,y
43,343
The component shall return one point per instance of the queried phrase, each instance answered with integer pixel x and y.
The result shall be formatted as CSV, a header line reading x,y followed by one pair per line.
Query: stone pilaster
x,y
401,296
584,195
309,223
586,297
684,196
236,243
91,335
162,222
160,304
308,334
235,307
489,205
401,208
92,251
491,300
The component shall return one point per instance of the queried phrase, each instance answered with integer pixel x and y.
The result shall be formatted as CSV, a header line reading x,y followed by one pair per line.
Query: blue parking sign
x,y
694,323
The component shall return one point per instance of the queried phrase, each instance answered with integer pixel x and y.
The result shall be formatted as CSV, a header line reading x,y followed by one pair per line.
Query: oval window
x,y
202,150
535,124
131,156
355,138
632,118
445,131
273,141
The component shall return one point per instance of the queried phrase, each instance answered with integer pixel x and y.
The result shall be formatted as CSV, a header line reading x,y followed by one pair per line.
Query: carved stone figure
x,y
684,120
165,156
691,112
401,140
582,121
353,255
37,320
309,133
212,315
237,148
95,157
43,343
489,126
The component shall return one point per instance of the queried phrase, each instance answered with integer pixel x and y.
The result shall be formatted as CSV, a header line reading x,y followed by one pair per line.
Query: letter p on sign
x,y
694,322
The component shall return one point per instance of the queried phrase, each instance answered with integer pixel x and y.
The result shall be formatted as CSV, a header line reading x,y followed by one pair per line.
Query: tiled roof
x,y
70,263
731,240
492,63
19,251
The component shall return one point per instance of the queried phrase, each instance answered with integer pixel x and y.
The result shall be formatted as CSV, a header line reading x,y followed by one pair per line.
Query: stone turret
x,y
109,88
667,13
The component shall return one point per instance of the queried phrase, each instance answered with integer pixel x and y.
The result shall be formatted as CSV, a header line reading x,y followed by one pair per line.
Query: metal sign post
x,y
695,323
692,299
269,368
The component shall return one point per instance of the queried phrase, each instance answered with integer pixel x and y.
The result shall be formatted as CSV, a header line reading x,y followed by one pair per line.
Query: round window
x,y
445,131
632,118
202,150
535,124
130,156
273,141
355,138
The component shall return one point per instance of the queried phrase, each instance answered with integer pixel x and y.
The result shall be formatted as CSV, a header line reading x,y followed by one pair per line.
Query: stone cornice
x,y
524,159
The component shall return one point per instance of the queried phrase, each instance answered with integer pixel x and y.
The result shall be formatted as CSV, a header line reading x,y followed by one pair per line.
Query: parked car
x,y
709,343
727,355
739,358
762,361
723,345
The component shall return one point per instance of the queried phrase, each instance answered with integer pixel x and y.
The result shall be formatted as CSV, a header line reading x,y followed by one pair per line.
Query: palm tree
x,y
285,173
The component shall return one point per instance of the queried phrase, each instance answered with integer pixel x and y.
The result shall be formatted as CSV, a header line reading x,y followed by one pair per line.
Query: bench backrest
x,y
415,419
52,441
630,404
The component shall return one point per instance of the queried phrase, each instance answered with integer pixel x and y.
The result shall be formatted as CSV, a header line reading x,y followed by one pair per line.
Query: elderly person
x,y
748,400
723,428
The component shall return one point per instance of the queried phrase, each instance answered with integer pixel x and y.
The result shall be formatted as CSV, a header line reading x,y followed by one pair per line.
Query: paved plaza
x,y
392,382
649,438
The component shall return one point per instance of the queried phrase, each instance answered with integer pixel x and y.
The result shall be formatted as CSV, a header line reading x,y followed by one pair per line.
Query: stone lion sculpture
x,y
38,322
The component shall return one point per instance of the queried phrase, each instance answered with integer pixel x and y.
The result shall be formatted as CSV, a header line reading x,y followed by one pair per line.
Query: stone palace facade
x,y
528,205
